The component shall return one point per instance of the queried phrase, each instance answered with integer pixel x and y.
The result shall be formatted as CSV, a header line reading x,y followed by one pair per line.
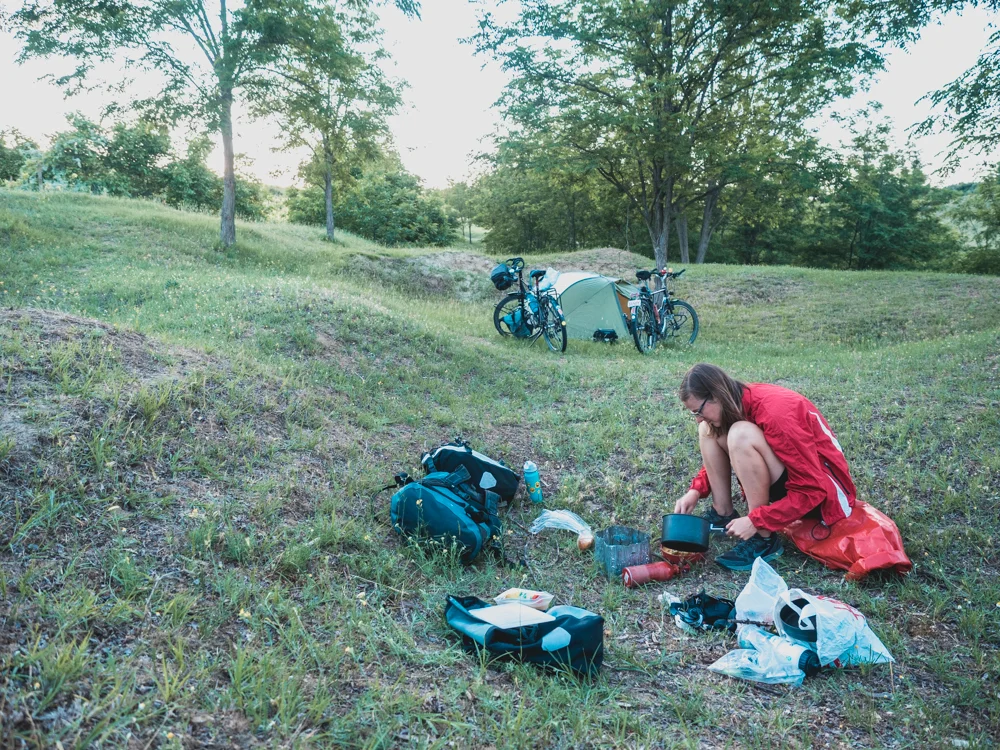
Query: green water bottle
x,y
532,481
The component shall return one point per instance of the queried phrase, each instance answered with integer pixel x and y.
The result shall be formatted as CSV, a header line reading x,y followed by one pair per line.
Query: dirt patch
x,y
458,261
134,352
607,261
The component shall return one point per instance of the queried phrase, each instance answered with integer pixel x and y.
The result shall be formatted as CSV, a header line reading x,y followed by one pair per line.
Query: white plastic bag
x,y
763,657
564,519
756,602
843,636
559,519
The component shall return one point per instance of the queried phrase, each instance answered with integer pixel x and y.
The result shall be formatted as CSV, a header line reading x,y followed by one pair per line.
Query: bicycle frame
x,y
535,322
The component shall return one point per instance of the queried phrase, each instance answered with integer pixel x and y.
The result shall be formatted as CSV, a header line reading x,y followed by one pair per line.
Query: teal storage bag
x,y
574,640
446,508
516,324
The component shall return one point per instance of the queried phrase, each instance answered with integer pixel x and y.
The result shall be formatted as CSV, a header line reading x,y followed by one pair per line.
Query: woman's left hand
x,y
741,527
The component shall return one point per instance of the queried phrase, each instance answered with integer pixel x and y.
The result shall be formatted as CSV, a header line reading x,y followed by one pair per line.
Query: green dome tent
x,y
591,302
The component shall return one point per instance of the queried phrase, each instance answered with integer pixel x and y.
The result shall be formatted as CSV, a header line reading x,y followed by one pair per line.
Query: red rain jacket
x,y
802,440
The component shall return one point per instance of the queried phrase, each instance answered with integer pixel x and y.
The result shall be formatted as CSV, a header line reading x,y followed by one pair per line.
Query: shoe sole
x,y
749,566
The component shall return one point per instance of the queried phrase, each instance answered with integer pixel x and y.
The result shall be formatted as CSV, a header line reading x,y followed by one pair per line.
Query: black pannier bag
x,y
487,473
574,640
502,277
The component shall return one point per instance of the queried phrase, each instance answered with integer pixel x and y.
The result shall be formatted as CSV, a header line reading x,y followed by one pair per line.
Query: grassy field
x,y
189,440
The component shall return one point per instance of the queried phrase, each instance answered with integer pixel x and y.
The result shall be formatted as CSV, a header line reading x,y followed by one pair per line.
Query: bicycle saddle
x,y
536,274
643,275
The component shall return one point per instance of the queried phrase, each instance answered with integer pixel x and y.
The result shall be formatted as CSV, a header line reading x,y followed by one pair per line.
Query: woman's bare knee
x,y
745,435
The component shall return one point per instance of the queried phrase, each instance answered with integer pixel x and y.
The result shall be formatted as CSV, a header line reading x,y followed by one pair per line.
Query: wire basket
x,y
618,547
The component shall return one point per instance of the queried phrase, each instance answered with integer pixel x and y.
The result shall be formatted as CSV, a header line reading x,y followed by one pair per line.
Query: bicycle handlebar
x,y
644,275
516,264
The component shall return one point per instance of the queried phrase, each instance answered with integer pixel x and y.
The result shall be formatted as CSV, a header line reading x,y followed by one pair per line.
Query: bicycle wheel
x,y
681,326
553,325
506,306
644,327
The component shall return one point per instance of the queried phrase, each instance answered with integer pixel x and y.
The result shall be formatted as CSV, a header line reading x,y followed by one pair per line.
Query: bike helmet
x,y
502,277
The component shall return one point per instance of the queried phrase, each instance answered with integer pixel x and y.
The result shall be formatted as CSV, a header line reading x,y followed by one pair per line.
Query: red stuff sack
x,y
866,540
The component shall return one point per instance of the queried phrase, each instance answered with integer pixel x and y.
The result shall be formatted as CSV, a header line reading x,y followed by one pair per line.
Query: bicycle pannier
x,y
447,508
574,639
502,277
486,473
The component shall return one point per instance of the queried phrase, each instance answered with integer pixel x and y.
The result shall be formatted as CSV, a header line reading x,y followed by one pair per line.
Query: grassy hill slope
x,y
190,438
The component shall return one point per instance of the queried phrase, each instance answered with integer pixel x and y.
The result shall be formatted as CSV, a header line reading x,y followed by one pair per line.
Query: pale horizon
x,y
448,116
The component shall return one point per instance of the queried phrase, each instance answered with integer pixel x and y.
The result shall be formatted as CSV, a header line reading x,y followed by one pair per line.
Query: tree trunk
x,y
227,232
470,232
328,192
41,181
572,219
682,237
707,227
658,220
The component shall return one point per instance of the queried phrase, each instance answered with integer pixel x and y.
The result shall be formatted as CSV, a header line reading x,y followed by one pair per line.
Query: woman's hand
x,y
741,527
686,503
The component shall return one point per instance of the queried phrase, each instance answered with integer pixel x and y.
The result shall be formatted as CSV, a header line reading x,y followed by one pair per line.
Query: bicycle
x,y
666,318
525,314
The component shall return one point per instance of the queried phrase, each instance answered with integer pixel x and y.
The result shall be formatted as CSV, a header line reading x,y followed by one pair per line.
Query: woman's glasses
x,y
698,413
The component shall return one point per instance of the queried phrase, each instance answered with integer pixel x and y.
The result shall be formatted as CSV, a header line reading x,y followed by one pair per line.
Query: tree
x,y
460,197
766,215
14,156
134,159
970,106
532,208
979,216
385,204
667,99
331,97
880,212
206,55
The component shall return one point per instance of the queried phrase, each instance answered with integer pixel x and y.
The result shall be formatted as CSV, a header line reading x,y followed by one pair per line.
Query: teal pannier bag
x,y
516,324
446,508
515,321
574,639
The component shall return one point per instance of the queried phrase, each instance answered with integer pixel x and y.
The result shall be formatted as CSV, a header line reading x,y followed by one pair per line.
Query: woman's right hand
x,y
686,503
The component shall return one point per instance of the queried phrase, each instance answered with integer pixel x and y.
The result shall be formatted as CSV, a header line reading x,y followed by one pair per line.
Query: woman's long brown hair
x,y
708,381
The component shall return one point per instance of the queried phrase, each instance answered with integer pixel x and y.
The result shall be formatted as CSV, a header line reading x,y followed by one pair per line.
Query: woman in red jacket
x,y
785,456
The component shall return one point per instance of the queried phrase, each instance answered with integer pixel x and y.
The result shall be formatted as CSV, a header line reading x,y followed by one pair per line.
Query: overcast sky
x,y
451,93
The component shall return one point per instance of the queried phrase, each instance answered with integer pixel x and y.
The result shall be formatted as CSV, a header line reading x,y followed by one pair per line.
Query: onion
x,y
585,541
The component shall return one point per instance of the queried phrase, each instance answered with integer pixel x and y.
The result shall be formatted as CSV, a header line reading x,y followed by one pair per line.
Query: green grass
x,y
190,438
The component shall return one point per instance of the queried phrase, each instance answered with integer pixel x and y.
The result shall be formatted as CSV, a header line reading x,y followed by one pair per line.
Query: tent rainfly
x,y
591,302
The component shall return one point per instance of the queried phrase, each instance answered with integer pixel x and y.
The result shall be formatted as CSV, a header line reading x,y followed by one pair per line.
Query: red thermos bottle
x,y
637,575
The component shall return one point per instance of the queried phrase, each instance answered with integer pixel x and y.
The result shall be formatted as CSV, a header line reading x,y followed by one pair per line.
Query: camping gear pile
x,y
457,504
595,306
812,632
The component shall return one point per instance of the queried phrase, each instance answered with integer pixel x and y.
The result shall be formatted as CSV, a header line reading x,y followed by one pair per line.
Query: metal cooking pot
x,y
685,533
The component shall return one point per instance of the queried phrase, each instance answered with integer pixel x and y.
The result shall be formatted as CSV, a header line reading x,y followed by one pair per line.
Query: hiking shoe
x,y
717,523
741,556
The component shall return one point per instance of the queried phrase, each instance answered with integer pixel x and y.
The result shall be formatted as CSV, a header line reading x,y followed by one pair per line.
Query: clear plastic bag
x,y
843,636
756,602
564,519
764,657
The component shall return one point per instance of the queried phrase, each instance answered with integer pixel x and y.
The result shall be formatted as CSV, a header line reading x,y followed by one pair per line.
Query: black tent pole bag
x,y
574,640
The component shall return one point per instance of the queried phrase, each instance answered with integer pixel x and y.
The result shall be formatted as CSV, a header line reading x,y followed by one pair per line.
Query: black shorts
x,y
778,492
